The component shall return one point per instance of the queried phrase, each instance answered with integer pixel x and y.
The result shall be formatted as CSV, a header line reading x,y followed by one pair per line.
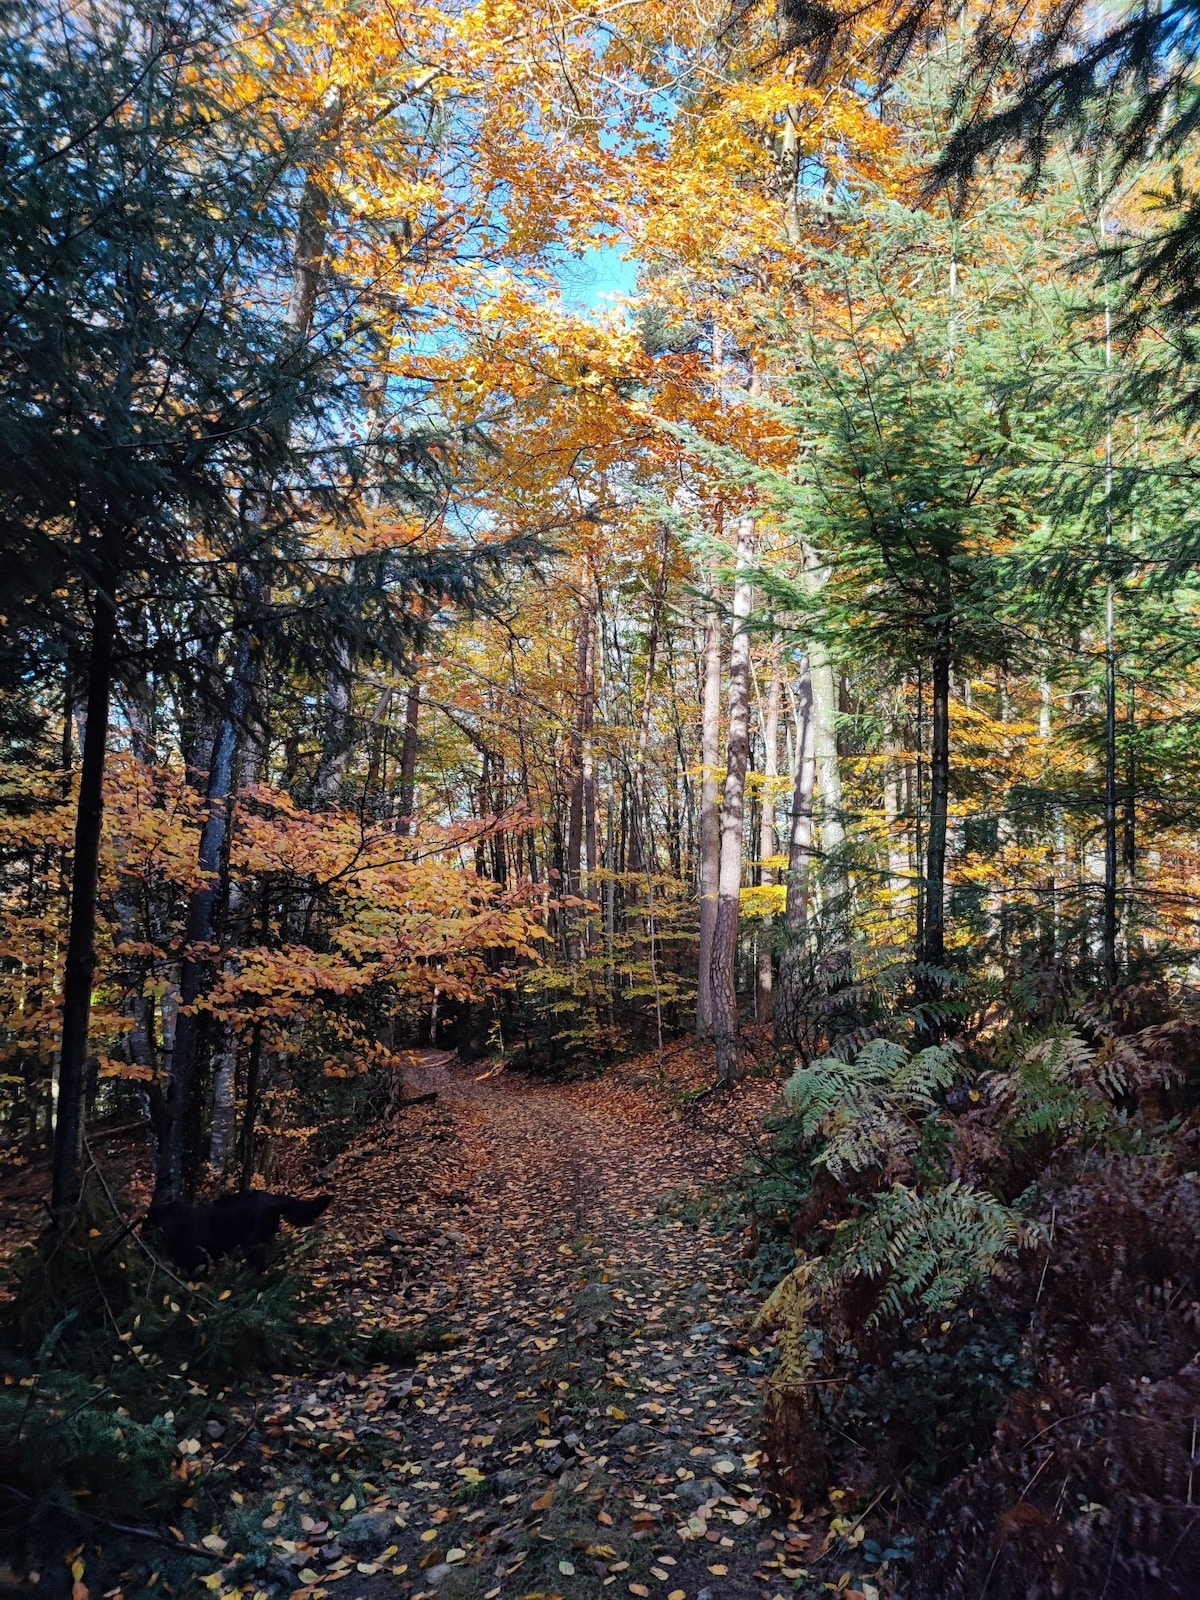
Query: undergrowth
x,y
984,1284
112,1368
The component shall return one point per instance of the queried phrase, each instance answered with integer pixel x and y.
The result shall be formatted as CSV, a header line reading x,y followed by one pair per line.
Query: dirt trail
x,y
592,1428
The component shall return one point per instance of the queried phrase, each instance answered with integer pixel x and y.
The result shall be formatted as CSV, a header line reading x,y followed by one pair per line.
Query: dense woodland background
x,y
798,653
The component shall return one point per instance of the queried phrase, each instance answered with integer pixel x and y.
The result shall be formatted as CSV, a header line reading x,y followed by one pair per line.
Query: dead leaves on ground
x,y
592,1423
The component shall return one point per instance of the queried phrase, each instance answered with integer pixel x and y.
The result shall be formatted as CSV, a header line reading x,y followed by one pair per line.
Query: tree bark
x,y
710,816
179,1159
408,760
581,823
933,935
764,997
67,1174
733,811
899,868
253,1101
788,998
640,830
336,737
835,880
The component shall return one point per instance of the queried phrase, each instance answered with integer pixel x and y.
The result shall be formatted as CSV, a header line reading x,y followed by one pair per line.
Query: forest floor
x,y
586,1419
592,1423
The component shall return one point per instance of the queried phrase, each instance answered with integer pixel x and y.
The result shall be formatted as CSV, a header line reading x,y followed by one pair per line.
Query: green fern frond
x,y
930,1250
1061,1085
870,1110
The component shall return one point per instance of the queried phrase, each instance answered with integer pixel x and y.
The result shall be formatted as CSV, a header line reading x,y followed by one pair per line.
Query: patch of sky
x,y
598,279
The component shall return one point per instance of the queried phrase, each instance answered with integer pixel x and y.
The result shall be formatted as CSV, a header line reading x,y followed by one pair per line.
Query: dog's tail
x,y
302,1213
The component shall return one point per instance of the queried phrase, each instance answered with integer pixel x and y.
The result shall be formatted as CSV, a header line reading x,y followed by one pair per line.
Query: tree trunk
x,y
179,1160
895,842
336,737
640,830
591,835
835,882
376,761
1109,919
764,999
733,812
710,816
788,1018
67,1176
253,1101
1129,831
408,760
581,800
933,935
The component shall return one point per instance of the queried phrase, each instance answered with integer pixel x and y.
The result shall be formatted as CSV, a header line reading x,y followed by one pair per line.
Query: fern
x,y
869,1111
930,1250
1062,1086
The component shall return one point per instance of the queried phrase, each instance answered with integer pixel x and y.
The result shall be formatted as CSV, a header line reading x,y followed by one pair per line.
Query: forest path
x,y
592,1428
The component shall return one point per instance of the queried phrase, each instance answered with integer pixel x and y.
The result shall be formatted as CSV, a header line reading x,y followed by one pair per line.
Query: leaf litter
x,y
586,1421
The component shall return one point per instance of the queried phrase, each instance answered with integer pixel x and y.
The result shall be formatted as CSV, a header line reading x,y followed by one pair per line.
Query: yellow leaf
x,y
348,1504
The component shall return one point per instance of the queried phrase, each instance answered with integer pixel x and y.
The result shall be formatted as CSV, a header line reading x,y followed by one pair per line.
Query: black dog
x,y
193,1235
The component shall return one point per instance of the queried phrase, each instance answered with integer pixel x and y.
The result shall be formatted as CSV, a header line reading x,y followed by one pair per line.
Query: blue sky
x,y
600,272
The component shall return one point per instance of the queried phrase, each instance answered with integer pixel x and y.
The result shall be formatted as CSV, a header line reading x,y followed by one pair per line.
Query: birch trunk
x,y
789,994
336,738
408,760
764,999
180,1156
639,833
581,815
723,966
710,816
